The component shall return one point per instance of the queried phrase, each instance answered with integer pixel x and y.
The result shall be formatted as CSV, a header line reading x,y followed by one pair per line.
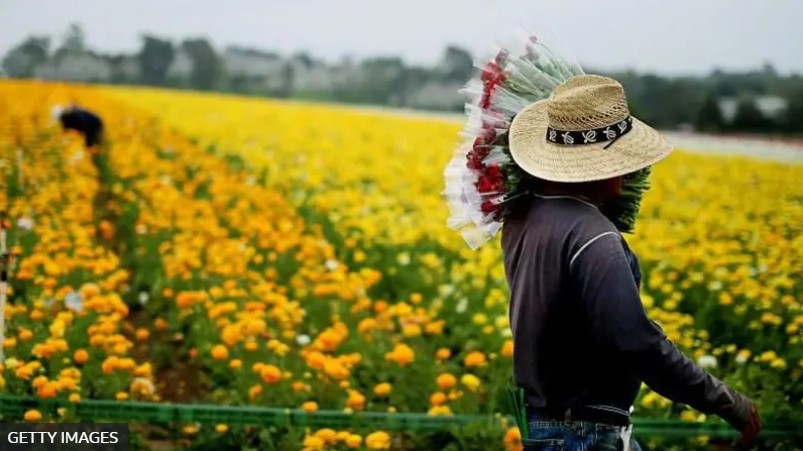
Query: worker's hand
x,y
748,434
752,429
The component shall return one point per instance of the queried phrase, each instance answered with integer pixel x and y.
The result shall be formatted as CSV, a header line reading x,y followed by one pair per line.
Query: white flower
x,y
25,223
446,289
302,339
331,264
707,361
461,306
715,285
55,112
144,297
403,259
74,301
145,384
76,156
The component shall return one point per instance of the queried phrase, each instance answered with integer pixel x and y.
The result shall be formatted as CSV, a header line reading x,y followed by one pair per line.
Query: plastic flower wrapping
x,y
482,179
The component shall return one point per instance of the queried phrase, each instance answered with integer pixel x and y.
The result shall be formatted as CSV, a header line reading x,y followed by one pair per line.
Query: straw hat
x,y
583,132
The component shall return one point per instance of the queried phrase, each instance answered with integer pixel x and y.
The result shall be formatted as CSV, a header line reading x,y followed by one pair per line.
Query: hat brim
x,y
640,147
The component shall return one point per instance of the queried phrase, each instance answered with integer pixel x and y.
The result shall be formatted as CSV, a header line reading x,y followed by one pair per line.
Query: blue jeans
x,y
550,435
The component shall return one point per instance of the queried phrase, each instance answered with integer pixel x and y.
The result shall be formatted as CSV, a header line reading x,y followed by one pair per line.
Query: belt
x,y
583,413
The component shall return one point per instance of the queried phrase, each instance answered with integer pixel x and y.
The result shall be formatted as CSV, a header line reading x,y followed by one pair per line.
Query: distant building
x,y
437,95
241,61
75,66
127,69
769,106
314,77
180,68
254,70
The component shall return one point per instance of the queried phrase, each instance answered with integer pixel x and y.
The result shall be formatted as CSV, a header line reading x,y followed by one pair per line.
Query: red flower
x,y
488,207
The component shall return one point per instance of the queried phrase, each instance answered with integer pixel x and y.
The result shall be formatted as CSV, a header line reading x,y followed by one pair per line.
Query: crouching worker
x,y
88,124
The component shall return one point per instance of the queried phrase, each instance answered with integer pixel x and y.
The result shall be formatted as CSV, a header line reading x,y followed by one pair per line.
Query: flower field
x,y
244,251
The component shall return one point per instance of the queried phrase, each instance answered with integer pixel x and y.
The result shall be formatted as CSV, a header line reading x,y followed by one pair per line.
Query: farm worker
x,y
583,343
576,167
105,208
84,122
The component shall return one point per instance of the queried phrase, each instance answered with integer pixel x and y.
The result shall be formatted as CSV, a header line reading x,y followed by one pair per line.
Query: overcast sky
x,y
667,36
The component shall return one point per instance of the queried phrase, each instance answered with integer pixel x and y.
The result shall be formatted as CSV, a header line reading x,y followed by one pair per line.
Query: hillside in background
x,y
761,101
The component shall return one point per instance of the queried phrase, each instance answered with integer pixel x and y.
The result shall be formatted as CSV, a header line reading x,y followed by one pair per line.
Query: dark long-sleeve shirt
x,y
84,122
581,335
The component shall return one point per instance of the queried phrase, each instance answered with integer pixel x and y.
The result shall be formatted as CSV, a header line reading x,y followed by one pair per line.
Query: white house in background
x,y
770,106
181,66
260,69
314,78
128,68
437,95
75,66
251,63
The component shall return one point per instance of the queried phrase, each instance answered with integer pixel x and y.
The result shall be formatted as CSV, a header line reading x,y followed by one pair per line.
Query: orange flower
x,y
32,415
270,374
513,439
309,406
443,354
507,349
437,399
475,359
402,354
446,381
254,391
142,334
80,356
219,352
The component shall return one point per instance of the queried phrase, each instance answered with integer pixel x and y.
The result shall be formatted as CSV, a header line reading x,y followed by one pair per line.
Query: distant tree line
x,y
760,101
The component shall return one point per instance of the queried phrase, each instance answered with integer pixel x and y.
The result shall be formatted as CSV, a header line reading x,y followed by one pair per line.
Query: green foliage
x,y
623,210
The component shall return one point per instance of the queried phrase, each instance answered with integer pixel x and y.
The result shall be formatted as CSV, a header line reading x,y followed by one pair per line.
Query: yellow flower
x,y
221,428
439,411
382,389
328,436
471,382
309,406
353,441
378,440
312,442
